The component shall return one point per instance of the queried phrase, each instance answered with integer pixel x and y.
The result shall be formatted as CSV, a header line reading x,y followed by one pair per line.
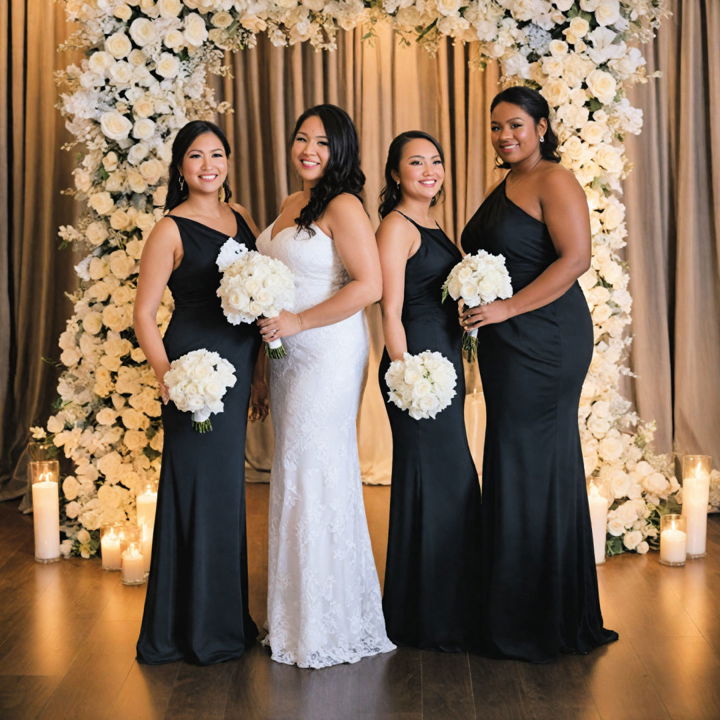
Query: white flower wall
x,y
144,76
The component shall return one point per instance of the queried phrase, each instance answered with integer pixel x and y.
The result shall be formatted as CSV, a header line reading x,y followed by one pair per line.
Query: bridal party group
x,y
506,570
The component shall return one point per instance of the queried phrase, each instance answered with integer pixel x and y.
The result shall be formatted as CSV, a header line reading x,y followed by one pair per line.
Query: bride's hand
x,y
284,325
258,401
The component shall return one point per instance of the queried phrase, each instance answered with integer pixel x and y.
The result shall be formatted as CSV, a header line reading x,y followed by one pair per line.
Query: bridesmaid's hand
x,y
284,325
494,312
163,388
259,406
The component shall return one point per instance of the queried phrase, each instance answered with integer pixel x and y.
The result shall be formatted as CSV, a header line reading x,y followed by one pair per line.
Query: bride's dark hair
x,y
177,192
535,105
390,195
342,173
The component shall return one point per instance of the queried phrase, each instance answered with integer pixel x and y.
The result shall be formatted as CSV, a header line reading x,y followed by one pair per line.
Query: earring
x,y
182,183
542,139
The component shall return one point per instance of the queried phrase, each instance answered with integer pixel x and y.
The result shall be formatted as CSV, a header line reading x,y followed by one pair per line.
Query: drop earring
x,y
542,139
181,182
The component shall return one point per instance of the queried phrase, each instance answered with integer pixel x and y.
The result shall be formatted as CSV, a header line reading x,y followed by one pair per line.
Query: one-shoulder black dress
x,y
196,607
540,594
431,592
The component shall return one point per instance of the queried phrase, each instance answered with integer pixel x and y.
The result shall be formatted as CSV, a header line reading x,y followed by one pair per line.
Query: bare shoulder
x,y
554,179
396,227
165,231
292,199
344,203
241,210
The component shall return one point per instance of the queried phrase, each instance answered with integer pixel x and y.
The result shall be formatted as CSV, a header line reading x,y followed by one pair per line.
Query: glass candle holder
x,y
696,497
44,476
111,546
673,540
133,565
146,502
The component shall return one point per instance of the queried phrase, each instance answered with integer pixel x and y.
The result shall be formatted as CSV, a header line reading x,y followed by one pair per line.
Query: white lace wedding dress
x,y
324,604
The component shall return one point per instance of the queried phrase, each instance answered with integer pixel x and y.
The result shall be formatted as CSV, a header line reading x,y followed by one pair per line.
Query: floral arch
x,y
144,75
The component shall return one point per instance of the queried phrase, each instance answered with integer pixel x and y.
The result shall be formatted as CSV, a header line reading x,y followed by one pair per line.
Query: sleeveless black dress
x,y
196,607
431,591
540,595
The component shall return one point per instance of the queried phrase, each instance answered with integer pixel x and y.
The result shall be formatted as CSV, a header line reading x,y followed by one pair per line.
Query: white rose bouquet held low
x,y
197,383
477,279
422,384
254,285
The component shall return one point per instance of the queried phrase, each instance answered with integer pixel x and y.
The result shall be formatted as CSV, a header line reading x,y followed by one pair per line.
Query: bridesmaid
x,y
432,574
534,349
197,598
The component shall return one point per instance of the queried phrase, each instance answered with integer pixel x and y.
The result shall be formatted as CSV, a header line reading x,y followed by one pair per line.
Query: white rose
x,y
169,8
92,323
593,133
138,153
602,85
174,39
607,12
102,203
579,27
115,181
114,125
106,416
152,170
144,107
448,7
70,487
168,65
143,129
642,547
556,92
110,161
558,48
136,181
99,62
96,233
122,11
143,31
72,509
616,527
121,72
119,220
195,31
118,45
632,539
222,20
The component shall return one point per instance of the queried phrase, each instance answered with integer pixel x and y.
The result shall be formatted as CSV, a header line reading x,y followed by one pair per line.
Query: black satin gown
x,y
431,591
540,593
196,607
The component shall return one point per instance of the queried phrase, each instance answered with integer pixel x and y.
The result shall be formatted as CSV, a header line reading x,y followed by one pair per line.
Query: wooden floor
x,y
68,631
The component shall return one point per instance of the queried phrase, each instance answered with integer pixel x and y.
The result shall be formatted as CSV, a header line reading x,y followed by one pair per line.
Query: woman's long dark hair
x,y
535,105
391,195
342,173
176,192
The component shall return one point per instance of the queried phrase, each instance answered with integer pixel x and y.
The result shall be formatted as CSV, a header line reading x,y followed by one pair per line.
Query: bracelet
x,y
299,317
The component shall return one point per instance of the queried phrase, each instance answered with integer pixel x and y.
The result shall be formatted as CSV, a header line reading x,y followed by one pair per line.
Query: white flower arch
x,y
144,76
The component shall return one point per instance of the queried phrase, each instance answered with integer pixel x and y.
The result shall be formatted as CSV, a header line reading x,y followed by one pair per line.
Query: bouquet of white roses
x,y
197,383
254,285
422,384
477,279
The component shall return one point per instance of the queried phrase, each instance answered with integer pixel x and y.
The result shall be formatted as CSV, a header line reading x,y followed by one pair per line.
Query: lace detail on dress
x,y
324,604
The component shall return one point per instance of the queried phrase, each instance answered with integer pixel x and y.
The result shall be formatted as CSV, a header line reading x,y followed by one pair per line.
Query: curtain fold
x,y
674,233
33,274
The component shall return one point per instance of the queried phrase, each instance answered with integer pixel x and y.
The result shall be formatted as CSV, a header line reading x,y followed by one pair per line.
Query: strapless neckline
x,y
296,228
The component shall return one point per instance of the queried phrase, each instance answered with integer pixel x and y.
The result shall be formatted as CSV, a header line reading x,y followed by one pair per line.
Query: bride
x,y
324,604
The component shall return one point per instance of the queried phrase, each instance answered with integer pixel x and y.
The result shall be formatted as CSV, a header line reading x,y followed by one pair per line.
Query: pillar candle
x,y
598,518
673,546
46,518
696,492
146,504
146,540
133,566
110,548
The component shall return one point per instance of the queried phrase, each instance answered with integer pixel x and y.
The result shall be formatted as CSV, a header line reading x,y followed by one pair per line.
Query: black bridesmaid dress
x,y
432,576
540,593
196,607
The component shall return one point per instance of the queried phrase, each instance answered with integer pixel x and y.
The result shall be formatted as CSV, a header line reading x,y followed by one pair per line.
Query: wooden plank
x,y
447,690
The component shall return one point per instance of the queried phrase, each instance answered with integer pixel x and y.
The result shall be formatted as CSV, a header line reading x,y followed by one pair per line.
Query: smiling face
x,y
310,150
204,166
515,135
420,170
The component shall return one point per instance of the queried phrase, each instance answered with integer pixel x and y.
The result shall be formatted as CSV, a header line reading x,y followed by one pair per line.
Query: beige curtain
x,y
673,202
33,274
387,88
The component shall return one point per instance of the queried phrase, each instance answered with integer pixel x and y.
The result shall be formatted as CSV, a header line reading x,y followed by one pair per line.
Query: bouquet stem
x,y
469,345
275,349
202,427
